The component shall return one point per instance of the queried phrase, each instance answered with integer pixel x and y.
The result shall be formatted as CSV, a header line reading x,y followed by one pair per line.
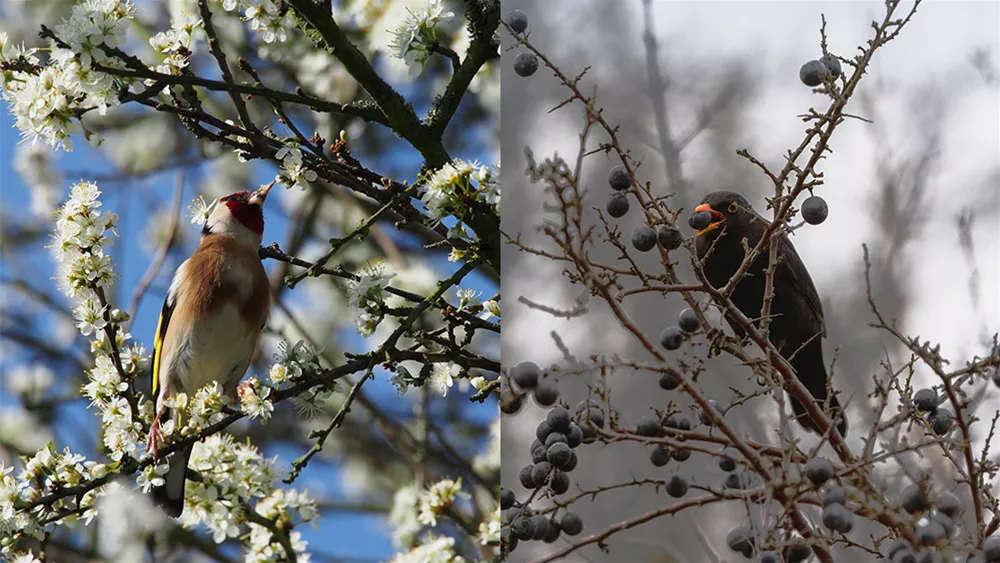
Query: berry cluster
x,y
814,72
643,237
940,419
525,63
553,457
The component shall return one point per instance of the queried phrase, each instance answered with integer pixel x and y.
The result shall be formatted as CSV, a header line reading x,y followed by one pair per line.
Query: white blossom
x,y
199,210
491,308
45,100
127,519
89,317
287,506
367,295
205,408
152,476
437,499
176,44
293,170
234,474
435,550
253,399
467,298
412,40
21,430
443,377
31,382
291,361
447,189
80,240
403,517
489,532
263,16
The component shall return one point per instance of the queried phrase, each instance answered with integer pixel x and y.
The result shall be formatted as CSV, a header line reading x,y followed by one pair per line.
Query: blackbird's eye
x,y
734,207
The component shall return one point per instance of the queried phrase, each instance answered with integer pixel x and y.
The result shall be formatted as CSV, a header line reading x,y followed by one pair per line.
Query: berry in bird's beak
x,y
705,219
260,195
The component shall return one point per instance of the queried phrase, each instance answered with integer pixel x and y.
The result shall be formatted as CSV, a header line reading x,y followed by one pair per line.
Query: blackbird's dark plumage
x,y
797,326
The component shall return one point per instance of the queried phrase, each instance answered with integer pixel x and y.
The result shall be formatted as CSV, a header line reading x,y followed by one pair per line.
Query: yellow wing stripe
x,y
161,332
157,345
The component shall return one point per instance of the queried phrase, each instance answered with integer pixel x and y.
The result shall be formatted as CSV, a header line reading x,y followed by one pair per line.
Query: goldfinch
x,y
211,320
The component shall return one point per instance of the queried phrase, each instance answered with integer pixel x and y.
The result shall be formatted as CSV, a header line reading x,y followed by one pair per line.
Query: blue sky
x,y
343,534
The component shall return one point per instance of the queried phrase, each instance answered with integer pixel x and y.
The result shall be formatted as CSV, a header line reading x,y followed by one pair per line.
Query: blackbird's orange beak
x,y
717,218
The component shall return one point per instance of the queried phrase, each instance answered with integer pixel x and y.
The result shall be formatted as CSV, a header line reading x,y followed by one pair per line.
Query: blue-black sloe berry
x,y
838,518
525,64
926,400
811,73
523,528
832,64
833,494
618,178
540,473
649,425
669,237
819,470
643,238
688,320
668,382
677,486
546,393
703,416
991,549
727,464
618,205
559,483
559,454
517,20
815,210
700,220
672,338
913,499
571,524
660,455
507,498
942,421
525,374
558,419
741,540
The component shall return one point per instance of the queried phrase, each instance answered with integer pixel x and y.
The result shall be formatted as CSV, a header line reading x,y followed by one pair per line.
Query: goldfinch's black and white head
x,y
239,215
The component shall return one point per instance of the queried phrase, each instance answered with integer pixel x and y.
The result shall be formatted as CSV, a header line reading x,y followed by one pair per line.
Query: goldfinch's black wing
x,y
161,332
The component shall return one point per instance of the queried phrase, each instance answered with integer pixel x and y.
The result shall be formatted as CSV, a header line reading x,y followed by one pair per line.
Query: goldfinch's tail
x,y
170,497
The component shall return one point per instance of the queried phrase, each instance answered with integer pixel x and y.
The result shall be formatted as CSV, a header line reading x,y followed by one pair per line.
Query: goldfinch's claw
x,y
242,388
155,437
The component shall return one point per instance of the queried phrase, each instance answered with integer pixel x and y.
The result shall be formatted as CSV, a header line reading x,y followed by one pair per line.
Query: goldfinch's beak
x,y
260,195
717,218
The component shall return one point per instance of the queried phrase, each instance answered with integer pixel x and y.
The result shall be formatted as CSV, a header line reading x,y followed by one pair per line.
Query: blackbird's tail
x,y
835,412
812,373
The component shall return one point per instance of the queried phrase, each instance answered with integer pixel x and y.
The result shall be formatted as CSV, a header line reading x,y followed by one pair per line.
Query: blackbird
x,y
797,326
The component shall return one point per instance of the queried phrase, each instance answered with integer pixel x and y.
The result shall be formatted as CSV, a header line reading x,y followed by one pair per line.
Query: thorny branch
x,y
573,237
